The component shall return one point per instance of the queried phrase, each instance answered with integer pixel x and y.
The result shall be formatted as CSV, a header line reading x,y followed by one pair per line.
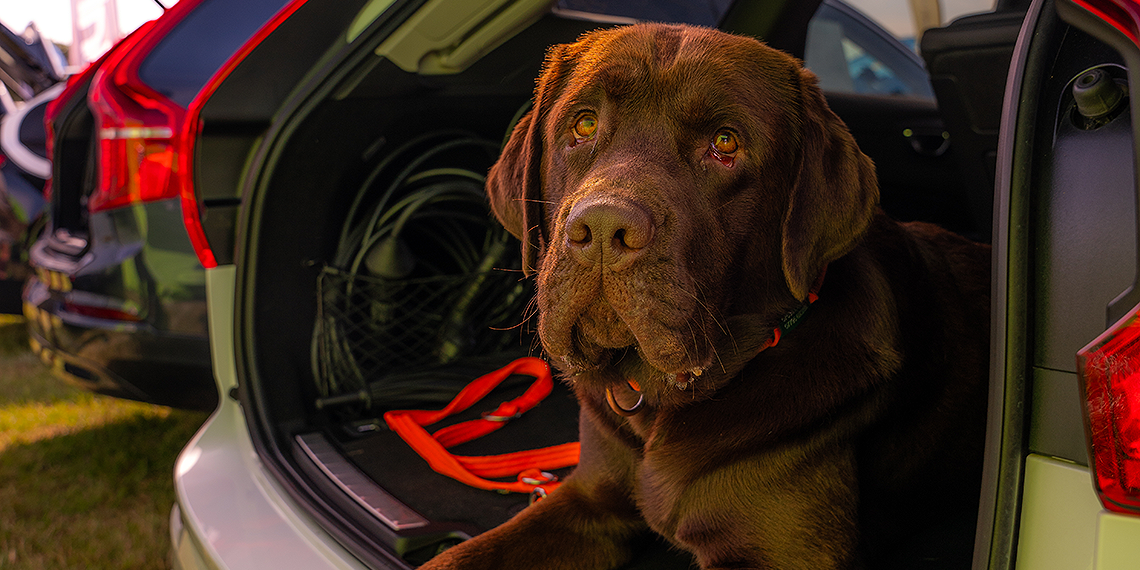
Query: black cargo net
x,y
424,279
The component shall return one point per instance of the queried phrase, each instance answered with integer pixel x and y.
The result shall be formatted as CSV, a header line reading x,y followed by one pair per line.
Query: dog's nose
x,y
608,230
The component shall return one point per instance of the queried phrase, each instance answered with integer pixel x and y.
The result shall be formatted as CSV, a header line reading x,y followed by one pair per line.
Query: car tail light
x,y
1124,15
108,313
135,125
1109,369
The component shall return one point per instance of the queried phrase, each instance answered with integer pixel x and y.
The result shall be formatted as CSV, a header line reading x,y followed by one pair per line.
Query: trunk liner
x,y
393,465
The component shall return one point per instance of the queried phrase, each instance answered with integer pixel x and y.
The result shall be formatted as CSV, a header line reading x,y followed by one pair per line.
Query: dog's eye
x,y
725,142
585,126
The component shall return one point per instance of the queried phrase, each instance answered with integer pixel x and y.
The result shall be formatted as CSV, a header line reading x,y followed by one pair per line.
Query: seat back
x,y
968,61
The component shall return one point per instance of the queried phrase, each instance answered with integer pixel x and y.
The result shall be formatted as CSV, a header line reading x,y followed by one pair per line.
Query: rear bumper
x,y
230,512
109,357
122,311
1063,524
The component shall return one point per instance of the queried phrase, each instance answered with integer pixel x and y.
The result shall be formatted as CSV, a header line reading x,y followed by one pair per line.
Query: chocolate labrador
x,y
771,373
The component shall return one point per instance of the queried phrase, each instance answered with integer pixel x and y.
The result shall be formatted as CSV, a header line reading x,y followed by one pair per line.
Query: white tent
x,y
94,29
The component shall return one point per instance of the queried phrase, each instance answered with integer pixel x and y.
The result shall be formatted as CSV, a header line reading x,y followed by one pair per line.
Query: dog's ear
x,y
514,186
834,196
514,183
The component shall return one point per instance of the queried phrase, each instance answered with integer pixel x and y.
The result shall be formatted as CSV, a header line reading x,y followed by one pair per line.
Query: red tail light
x,y
108,313
145,140
137,150
1124,15
1109,369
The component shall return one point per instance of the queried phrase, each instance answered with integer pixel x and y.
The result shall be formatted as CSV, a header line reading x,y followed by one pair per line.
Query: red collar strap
x,y
528,467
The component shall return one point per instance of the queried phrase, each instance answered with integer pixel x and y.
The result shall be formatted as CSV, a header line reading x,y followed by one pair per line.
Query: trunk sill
x,y
357,485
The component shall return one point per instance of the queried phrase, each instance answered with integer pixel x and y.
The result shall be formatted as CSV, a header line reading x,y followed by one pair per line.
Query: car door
x,y
1063,394
879,87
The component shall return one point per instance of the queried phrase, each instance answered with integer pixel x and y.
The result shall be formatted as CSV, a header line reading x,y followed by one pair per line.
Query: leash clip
x,y
536,494
543,483
536,477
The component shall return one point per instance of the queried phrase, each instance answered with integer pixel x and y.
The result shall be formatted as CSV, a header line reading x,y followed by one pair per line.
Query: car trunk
x,y
372,277
380,281
381,322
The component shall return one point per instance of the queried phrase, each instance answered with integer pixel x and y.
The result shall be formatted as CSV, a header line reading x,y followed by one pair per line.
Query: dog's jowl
x,y
771,373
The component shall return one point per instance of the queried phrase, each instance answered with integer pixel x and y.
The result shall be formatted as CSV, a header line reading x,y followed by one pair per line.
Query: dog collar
x,y
787,323
793,318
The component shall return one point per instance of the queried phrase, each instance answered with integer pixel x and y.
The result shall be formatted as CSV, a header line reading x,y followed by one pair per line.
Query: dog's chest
x,y
664,473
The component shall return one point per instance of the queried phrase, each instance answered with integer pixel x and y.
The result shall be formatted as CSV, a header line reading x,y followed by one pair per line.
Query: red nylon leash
x,y
527,466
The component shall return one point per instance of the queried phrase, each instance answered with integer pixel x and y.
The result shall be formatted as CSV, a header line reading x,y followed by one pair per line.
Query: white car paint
x,y
230,513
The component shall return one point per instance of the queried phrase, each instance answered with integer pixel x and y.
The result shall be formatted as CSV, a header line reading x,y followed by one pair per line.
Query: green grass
x,y
85,480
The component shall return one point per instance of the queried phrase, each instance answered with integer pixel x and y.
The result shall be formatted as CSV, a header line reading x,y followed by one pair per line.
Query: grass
x,y
85,480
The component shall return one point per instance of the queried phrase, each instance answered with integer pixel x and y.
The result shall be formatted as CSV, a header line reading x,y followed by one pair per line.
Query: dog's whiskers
x,y
528,312
712,345
717,321
535,201
704,306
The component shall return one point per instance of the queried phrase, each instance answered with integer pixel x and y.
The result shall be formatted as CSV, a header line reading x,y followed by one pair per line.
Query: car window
x,y
852,54
182,63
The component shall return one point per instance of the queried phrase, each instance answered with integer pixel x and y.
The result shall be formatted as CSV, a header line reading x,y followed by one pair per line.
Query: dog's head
x,y
673,187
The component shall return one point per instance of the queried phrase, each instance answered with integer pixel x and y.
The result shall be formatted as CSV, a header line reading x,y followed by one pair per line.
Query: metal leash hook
x,y
543,483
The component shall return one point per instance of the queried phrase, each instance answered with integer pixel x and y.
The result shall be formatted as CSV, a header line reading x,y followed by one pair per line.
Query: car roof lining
x,y
447,36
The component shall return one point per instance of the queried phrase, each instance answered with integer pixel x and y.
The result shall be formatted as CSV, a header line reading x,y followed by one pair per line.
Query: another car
x,y
355,269
117,304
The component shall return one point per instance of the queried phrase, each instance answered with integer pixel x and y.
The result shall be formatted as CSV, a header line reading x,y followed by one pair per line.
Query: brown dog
x,y
680,194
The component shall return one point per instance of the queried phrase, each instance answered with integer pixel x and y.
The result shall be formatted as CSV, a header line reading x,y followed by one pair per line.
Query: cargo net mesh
x,y
424,279
369,327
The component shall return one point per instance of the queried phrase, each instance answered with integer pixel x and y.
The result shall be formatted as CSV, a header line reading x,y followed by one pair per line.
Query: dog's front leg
x,y
566,530
585,524
790,508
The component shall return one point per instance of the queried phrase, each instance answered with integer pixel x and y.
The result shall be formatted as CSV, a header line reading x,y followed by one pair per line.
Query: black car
x,y
117,303
32,72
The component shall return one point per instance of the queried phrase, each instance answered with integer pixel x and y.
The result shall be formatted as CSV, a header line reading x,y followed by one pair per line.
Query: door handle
x,y
928,142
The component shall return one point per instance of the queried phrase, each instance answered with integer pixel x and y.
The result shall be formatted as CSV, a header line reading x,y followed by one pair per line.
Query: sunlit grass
x,y
29,422
85,480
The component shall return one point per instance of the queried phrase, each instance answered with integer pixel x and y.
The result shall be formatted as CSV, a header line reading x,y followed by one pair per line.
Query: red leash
x,y
528,467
